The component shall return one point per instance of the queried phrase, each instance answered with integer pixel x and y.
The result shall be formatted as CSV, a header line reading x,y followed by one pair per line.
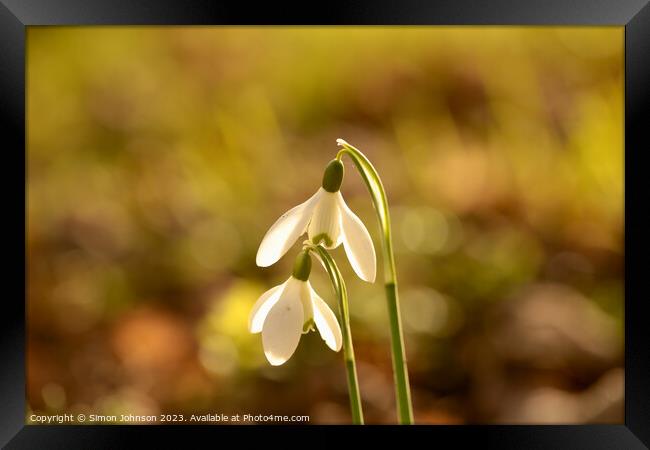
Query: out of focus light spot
x,y
424,230
218,355
462,179
225,345
371,311
150,341
128,401
75,301
53,396
550,405
425,310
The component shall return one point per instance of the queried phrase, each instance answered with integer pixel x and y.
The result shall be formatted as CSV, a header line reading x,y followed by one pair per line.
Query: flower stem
x,y
378,194
348,350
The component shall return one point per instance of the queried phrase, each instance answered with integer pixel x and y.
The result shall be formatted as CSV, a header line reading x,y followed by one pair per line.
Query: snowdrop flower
x,y
328,221
283,313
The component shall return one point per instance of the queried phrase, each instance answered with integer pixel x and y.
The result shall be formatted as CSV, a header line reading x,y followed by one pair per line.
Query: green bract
x,y
302,266
333,176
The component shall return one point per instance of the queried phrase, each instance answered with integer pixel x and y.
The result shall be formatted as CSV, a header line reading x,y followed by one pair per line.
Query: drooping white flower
x,y
328,220
285,312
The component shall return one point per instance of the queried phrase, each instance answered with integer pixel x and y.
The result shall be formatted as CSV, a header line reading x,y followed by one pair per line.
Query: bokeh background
x,y
158,157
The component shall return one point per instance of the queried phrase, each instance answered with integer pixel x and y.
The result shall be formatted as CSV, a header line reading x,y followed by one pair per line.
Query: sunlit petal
x,y
262,307
283,325
357,243
285,231
325,225
305,298
326,322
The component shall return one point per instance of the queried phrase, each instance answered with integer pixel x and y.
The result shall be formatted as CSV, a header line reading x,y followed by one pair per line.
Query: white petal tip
x,y
326,323
341,142
337,344
261,262
275,361
285,232
368,279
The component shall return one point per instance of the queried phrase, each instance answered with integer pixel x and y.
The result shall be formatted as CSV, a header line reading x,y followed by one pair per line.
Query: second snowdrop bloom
x,y
328,221
283,313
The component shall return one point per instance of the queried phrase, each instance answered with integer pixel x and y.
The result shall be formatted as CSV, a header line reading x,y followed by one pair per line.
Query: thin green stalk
x,y
348,350
378,194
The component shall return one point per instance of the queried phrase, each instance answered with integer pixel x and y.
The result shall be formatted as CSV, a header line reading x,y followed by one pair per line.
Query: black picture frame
x,y
16,15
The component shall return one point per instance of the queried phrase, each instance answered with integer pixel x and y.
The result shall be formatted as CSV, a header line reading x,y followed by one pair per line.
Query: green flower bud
x,y
333,176
302,266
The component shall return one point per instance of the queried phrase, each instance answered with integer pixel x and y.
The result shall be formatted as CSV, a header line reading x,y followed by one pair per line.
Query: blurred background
x,y
158,157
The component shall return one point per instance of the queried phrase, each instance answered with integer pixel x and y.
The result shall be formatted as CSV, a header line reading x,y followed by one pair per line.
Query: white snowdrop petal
x,y
262,307
326,322
285,231
326,221
305,299
358,244
283,325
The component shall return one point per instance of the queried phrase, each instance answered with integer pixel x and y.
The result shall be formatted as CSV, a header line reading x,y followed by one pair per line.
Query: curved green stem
x,y
348,350
378,194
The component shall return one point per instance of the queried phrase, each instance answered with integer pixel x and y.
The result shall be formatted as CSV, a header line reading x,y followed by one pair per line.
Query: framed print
x,y
239,219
